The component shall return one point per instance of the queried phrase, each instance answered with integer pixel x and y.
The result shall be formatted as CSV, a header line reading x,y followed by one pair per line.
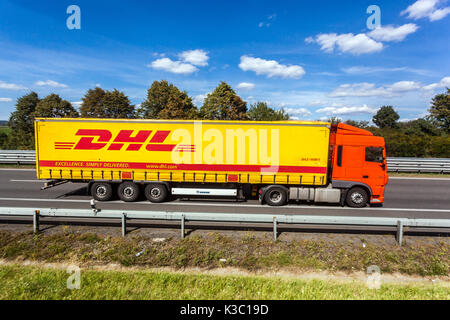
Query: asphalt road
x,y
405,197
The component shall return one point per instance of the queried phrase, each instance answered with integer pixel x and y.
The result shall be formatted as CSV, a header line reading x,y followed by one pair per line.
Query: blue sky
x,y
315,59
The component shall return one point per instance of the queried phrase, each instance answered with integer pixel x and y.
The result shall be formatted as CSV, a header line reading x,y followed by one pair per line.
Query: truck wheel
x,y
275,197
156,193
102,191
357,198
128,191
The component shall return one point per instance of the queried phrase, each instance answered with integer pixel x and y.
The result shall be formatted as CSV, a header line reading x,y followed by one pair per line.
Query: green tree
x,y
92,105
335,120
224,104
420,127
21,122
166,101
386,117
440,110
117,105
3,140
53,106
98,103
260,111
359,124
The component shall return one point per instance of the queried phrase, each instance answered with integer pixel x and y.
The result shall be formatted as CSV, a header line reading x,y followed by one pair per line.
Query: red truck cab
x,y
358,159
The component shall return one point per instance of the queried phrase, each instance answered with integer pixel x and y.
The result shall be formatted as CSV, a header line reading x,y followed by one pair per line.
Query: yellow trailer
x,y
181,157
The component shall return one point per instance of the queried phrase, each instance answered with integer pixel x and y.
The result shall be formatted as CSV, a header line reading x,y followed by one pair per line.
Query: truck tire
x,y
102,191
357,198
156,192
128,191
275,197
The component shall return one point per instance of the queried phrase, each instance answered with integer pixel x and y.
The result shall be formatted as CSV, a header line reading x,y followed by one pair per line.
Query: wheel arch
x,y
347,185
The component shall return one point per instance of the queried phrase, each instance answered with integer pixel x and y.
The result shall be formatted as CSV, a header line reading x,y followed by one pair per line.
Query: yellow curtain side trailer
x,y
196,158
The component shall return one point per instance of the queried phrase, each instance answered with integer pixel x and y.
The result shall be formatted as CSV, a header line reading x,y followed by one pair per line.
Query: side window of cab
x,y
374,154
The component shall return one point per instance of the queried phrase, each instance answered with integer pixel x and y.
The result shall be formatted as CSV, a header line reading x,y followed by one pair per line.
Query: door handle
x,y
366,177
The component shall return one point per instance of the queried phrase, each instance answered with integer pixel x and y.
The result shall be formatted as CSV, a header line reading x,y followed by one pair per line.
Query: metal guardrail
x,y
184,217
431,165
17,157
394,164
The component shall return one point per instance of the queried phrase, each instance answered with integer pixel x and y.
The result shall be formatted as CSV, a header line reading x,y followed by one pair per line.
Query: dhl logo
x,y
92,139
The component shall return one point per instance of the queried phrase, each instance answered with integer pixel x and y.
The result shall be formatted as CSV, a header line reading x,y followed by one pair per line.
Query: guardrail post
x,y
124,224
36,221
182,226
399,232
275,232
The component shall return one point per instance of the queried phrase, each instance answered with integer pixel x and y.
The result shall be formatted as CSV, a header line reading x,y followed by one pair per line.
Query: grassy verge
x,y
217,251
419,175
17,282
15,166
5,129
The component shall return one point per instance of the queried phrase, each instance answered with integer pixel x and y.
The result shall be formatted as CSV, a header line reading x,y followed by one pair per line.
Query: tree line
x,y
422,138
425,137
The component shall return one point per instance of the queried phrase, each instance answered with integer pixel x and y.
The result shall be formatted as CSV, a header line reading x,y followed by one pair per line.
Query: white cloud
x,y
337,109
297,112
267,24
347,43
365,89
271,68
5,99
246,86
391,33
76,103
198,99
195,57
444,83
176,67
426,9
317,103
11,86
439,14
50,83
403,86
368,70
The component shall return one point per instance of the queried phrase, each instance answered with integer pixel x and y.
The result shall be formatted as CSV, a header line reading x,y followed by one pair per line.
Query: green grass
x,y
207,252
17,282
419,175
5,129
15,166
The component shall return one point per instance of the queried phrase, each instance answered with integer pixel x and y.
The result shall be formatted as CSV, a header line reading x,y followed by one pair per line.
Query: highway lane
x,y
413,198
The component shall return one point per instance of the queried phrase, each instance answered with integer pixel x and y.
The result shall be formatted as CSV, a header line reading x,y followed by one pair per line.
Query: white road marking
x,y
45,200
233,205
40,181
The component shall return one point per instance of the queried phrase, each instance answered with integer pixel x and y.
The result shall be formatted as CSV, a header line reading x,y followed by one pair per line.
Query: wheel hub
x,y
101,191
155,192
128,192
275,196
357,198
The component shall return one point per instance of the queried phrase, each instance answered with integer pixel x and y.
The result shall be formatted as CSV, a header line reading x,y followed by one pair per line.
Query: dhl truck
x,y
278,161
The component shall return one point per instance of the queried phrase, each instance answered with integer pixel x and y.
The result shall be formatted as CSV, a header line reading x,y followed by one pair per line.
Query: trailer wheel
x,y
275,197
128,191
102,191
357,198
156,192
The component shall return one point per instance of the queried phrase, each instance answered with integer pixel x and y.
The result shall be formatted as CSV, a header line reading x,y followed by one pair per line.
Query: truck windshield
x,y
374,154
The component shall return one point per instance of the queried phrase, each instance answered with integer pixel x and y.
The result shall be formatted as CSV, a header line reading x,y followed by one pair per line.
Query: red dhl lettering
x,y
134,140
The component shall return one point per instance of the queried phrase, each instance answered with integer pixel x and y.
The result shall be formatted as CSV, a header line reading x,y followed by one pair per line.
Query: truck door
x,y
374,170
